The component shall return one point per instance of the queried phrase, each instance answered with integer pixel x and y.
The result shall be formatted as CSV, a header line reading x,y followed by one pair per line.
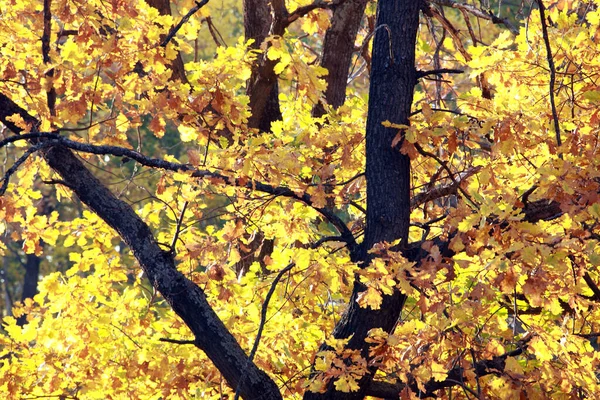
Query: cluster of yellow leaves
x,y
344,366
510,276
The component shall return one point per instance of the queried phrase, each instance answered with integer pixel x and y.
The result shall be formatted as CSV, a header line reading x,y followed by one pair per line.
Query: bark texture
x,y
393,77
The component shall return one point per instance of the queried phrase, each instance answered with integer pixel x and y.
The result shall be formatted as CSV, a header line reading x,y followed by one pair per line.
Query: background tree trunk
x,y
257,23
338,47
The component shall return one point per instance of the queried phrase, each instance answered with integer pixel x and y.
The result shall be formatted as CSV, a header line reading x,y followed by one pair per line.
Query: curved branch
x,y
261,325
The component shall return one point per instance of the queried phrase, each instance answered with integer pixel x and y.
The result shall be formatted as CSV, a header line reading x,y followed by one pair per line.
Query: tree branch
x,y
186,17
550,59
302,11
444,165
196,173
455,376
422,74
175,341
592,285
178,227
477,12
51,91
442,191
186,298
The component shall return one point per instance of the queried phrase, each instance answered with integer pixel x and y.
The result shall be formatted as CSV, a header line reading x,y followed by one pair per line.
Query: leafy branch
x,y
550,59
456,376
305,198
184,19
186,298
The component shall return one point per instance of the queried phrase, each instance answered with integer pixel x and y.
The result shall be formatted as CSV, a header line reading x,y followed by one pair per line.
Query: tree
x,y
280,248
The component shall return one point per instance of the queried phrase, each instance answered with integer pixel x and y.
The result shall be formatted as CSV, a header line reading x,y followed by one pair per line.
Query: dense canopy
x,y
327,199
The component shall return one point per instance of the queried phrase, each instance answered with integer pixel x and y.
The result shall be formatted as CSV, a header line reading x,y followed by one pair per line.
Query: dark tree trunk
x,y
393,77
30,282
338,48
263,89
257,22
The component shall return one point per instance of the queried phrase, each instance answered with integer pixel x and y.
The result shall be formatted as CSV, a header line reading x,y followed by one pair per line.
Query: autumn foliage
x,y
297,198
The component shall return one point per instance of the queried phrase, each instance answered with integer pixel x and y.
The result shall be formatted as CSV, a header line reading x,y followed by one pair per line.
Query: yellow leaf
x,y
370,298
467,223
541,351
187,133
346,384
438,371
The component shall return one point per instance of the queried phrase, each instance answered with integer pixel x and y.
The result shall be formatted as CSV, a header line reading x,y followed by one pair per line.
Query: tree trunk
x,y
393,77
257,23
30,282
338,48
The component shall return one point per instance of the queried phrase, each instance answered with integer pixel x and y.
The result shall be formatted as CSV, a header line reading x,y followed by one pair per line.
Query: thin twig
x,y
442,191
178,227
20,161
422,74
478,394
263,318
552,72
444,165
175,341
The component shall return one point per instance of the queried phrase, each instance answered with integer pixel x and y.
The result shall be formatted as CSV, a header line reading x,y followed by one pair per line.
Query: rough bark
x,y
185,297
338,47
393,77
